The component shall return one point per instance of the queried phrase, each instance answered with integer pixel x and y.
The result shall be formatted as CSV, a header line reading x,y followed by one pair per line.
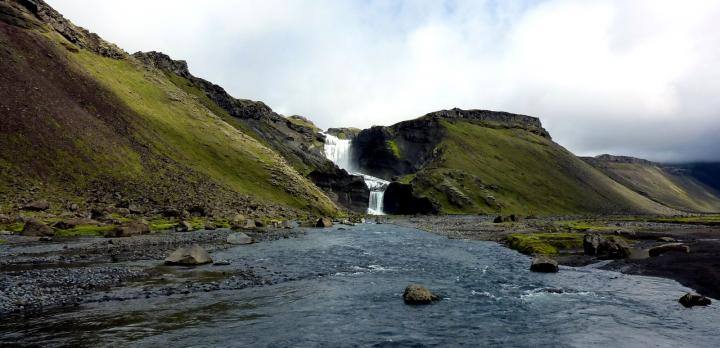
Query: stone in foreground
x,y
324,222
661,249
544,265
34,228
418,294
690,299
239,238
188,256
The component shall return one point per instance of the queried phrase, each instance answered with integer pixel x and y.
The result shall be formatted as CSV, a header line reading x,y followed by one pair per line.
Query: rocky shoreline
x,y
696,268
38,276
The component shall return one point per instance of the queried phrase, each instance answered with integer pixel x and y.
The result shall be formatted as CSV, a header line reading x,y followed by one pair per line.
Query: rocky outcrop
x,y
188,256
690,300
399,199
324,222
606,247
344,132
39,205
544,264
34,228
35,13
669,247
418,294
349,191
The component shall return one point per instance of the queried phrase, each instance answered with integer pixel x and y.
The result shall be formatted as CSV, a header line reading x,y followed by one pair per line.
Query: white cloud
x,y
629,77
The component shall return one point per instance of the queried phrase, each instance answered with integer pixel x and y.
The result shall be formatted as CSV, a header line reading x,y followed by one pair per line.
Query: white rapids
x,y
338,151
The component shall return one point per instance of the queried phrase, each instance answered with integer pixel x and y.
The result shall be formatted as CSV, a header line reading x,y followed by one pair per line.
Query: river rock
x,y
606,247
184,226
38,205
661,249
691,299
239,238
36,228
418,294
667,240
129,229
324,222
498,219
188,256
544,264
289,224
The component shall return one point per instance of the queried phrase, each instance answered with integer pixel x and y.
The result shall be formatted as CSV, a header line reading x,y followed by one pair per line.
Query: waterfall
x,y
338,151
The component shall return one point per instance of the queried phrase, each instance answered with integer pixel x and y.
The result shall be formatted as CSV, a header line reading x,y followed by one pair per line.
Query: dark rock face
x,y
690,300
606,247
669,247
348,190
418,294
344,132
400,199
324,222
296,139
544,264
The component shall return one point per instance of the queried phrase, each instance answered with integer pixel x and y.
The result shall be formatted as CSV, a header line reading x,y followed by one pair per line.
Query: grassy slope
x,y
181,127
523,173
680,192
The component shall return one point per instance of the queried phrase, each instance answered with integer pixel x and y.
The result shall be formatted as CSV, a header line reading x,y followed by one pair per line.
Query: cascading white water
x,y
338,151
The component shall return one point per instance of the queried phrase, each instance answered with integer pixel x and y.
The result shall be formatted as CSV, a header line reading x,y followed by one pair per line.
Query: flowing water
x,y
347,291
338,151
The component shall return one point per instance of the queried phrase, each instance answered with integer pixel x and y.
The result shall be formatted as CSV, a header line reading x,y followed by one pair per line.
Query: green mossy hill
x,y
79,126
663,184
476,168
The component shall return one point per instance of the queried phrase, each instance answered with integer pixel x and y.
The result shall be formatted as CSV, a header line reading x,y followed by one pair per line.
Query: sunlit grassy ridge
x,y
511,170
181,126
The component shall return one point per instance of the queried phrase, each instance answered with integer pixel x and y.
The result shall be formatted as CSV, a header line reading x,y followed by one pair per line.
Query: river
x,y
344,288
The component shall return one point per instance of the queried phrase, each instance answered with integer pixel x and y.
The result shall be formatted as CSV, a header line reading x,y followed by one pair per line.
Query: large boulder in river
x,y
690,299
669,247
606,247
544,264
324,222
418,294
38,205
239,238
34,228
129,229
188,256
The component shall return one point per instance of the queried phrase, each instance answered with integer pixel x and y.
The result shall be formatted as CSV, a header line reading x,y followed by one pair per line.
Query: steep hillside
x,y
85,123
296,138
667,185
475,161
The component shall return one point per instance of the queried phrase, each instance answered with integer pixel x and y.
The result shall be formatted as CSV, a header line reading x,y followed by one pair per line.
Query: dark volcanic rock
x,y
689,300
350,191
418,294
324,222
544,265
400,199
605,247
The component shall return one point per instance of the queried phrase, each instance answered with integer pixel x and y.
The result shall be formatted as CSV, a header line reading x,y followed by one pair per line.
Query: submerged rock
x,y
188,256
691,299
324,222
418,294
34,228
544,264
670,247
129,229
239,238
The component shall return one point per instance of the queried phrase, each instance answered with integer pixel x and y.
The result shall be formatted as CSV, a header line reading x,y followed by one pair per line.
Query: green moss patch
x,y
393,146
582,225
544,243
84,230
709,220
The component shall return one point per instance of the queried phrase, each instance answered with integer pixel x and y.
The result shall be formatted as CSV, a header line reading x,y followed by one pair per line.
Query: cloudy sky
x,y
625,77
